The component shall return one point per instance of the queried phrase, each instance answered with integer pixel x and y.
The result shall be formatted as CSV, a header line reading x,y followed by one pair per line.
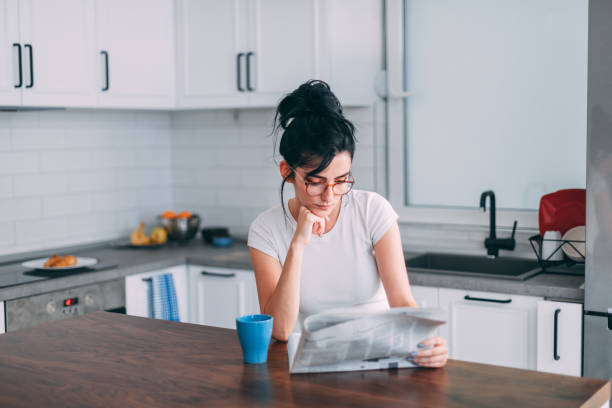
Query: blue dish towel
x,y
162,298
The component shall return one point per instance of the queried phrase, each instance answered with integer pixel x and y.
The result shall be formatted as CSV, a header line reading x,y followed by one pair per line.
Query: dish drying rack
x,y
536,242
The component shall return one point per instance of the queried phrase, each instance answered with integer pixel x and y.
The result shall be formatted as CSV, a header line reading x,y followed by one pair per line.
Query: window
x,y
485,95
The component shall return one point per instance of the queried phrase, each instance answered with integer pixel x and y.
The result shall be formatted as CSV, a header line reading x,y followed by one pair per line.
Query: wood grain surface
x,y
110,360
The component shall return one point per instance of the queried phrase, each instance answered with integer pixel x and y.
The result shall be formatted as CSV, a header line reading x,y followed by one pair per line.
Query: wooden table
x,y
110,360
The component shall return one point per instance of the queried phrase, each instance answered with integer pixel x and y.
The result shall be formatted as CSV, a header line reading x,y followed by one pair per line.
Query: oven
x,y
48,307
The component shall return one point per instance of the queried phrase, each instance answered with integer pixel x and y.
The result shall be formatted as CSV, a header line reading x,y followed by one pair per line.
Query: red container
x,y
562,210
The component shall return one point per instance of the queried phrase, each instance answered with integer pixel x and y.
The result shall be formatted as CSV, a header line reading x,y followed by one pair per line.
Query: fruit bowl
x,y
181,229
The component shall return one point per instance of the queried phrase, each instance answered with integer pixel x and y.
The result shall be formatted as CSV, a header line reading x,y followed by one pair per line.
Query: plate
x,y
575,234
39,264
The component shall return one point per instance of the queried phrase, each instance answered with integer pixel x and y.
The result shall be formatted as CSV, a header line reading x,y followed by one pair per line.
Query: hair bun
x,y
311,98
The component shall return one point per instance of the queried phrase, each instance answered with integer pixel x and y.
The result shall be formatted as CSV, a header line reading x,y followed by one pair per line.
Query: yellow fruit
x,y
138,236
158,235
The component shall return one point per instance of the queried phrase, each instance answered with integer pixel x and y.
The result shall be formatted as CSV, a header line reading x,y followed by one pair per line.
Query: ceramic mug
x,y
254,333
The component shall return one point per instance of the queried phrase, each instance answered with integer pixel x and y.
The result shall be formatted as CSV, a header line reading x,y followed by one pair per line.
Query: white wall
x,y
224,168
77,176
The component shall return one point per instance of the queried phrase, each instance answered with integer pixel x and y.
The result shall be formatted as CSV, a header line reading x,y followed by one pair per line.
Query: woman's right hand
x,y
307,224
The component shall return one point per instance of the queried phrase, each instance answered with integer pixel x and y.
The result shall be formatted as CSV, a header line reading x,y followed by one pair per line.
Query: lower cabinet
x,y
490,328
220,295
137,294
2,323
559,337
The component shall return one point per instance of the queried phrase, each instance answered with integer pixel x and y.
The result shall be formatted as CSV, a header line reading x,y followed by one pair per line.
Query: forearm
x,y
284,303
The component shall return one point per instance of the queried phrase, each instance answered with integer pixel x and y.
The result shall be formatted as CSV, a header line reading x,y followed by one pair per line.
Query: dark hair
x,y
313,128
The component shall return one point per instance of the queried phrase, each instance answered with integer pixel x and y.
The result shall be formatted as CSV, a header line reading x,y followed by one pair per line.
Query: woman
x,y
335,247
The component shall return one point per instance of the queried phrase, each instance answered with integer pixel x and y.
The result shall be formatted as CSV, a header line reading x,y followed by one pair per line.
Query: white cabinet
x,y
283,51
559,337
58,52
425,296
249,53
2,322
135,53
137,294
220,295
210,53
490,328
10,51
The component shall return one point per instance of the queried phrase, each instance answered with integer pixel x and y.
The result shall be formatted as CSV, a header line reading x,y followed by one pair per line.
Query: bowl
x,y
181,229
577,237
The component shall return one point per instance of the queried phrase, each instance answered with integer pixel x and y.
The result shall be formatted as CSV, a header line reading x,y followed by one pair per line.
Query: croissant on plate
x,y
60,261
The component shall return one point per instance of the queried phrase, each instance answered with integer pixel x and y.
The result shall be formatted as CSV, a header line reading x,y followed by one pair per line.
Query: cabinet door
x,y
224,294
136,39
560,344
137,295
211,53
61,35
284,47
2,323
9,58
425,296
490,328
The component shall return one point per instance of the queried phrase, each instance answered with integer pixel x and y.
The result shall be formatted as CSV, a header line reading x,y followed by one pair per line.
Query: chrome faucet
x,y
494,244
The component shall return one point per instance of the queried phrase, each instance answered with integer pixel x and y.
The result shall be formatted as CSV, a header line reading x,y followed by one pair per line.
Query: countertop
x,y
131,261
109,360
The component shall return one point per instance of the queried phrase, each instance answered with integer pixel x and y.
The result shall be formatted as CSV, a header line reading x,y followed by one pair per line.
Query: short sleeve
x,y
380,217
261,238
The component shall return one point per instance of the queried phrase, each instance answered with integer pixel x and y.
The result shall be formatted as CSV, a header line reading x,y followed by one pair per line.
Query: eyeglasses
x,y
317,188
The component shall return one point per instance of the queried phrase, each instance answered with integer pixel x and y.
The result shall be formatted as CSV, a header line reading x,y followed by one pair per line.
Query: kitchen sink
x,y
469,265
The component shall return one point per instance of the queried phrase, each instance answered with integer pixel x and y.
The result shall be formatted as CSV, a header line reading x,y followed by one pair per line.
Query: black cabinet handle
x,y
555,355
105,54
468,297
20,68
29,47
219,275
248,68
239,71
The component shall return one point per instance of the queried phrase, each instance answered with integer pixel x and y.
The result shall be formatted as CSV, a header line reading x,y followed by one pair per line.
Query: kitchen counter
x,y
131,261
110,360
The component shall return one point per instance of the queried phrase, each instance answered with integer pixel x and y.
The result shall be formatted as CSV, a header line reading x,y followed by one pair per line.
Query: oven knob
x,y
51,307
89,300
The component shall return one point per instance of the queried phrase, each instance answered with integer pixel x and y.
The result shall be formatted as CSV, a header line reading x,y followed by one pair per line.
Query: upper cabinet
x,y
211,39
10,50
135,53
249,53
227,53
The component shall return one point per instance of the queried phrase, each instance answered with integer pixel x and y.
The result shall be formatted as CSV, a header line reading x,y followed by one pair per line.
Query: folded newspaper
x,y
354,340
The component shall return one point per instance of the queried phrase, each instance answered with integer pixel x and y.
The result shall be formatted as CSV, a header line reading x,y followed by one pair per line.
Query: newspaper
x,y
354,340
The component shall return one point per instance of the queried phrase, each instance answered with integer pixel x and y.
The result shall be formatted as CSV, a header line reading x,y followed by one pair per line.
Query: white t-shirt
x,y
338,269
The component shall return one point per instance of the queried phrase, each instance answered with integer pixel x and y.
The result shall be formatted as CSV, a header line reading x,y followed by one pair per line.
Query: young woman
x,y
336,246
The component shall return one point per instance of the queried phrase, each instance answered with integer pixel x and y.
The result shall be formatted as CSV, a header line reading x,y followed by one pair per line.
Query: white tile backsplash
x,y
77,176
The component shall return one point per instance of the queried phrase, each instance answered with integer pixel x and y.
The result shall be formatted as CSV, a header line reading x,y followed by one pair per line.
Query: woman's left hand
x,y
434,353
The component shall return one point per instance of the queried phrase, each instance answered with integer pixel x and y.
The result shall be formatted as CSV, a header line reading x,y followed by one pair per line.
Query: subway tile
x,y
71,118
47,230
158,198
97,180
154,157
66,160
113,119
153,119
19,119
19,162
66,204
195,196
94,224
5,139
6,186
114,200
113,158
7,234
20,209
262,117
39,184
78,139
37,139
216,136
214,117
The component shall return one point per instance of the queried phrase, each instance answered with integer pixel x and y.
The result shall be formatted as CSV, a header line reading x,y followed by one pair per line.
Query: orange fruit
x,y
168,214
184,214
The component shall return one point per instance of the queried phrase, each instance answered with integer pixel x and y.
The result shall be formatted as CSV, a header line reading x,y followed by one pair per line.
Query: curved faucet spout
x,y
483,200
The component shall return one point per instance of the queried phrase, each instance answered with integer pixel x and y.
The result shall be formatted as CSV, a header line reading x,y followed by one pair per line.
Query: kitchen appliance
x,y
57,305
597,351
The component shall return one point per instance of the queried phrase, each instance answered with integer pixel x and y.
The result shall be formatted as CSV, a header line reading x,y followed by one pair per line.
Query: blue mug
x,y
254,333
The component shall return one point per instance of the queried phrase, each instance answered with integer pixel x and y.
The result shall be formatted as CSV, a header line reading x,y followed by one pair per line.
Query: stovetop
x,y
15,274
